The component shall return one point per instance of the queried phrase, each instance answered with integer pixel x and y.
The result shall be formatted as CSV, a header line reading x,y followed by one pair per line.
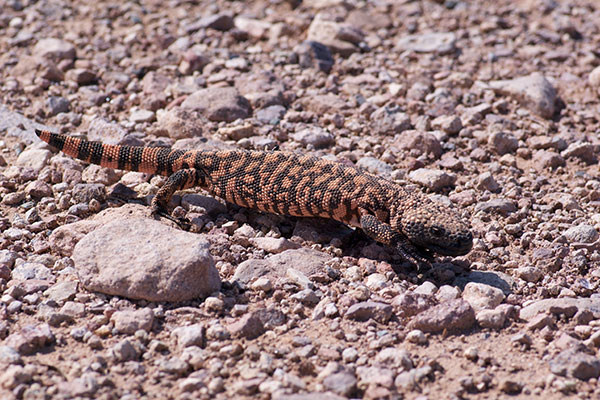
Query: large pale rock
x,y
145,259
434,42
218,104
35,159
55,49
532,91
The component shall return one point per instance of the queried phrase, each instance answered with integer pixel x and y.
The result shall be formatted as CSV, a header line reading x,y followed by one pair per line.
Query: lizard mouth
x,y
454,249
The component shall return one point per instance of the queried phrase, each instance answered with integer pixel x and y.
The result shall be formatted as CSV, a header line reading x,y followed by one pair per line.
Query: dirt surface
x,y
491,106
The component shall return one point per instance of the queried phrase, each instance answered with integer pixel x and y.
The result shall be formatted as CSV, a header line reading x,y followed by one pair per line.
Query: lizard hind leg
x,y
181,179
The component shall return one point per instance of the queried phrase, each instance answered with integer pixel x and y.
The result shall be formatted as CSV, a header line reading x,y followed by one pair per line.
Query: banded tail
x,y
152,160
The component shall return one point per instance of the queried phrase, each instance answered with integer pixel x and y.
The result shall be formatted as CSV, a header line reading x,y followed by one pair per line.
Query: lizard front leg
x,y
383,233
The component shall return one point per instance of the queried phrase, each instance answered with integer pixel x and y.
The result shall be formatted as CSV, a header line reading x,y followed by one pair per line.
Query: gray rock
x,y
55,49
179,123
62,291
307,297
582,233
496,279
530,273
9,355
163,264
342,383
307,261
503,142
419,143
451,124
192,335
130,321
491,319
408,303
30,270
35,159
317,137
219,104
389,121
106,132
374,166
594,77
339,38
532,91
576,364
487,182
432,179
30,338
584,151
366,310
16,125
497,206
436,42
313,54
220,22
563,305
375,376
454,315
249,326
85,192
548,159
124,351
481,296
271,115
55,105
139,116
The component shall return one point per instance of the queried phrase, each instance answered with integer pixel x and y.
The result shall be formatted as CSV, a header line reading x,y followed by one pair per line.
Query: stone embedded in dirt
x,y
55,105
374,376
342,383
548,159
325,103
271,115
139,116
218,104
249,326
408,303
38,189
532,91
594,77
366,310
262,89
81,76
156,263
315,136
191,335
435,42
55,49
124,351
340,38
432,179
492,319
451,124
307,261
503,142
530,273
389,121
454,315
221,22
419,143
8,355
107,132
582,233
481,296
31,270
30,338
375,166
584,151
575,363
62,291
35,159
257,29
315,55
273,245
503,207
130,321
568,306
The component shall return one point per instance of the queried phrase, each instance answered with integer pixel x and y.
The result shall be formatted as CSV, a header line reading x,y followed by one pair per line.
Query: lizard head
x,y
433,226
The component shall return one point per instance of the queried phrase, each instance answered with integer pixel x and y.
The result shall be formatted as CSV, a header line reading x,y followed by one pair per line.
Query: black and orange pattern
x,y
291,184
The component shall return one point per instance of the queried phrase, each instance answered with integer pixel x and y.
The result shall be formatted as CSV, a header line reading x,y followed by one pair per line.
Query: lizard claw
x,y
182,222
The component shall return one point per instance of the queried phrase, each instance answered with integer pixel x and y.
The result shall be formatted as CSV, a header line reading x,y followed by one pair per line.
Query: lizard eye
x,y
437,231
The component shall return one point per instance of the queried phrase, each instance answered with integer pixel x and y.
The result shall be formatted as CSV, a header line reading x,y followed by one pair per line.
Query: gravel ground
x,y
491,106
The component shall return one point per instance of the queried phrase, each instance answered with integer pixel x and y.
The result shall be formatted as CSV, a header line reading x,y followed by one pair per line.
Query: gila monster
x,y
291,184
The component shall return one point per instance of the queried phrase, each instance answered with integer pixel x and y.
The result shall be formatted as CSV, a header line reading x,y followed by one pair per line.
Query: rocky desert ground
x,y
490,106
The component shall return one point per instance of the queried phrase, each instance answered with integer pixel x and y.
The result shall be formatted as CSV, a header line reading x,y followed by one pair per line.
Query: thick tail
x,y
153,160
